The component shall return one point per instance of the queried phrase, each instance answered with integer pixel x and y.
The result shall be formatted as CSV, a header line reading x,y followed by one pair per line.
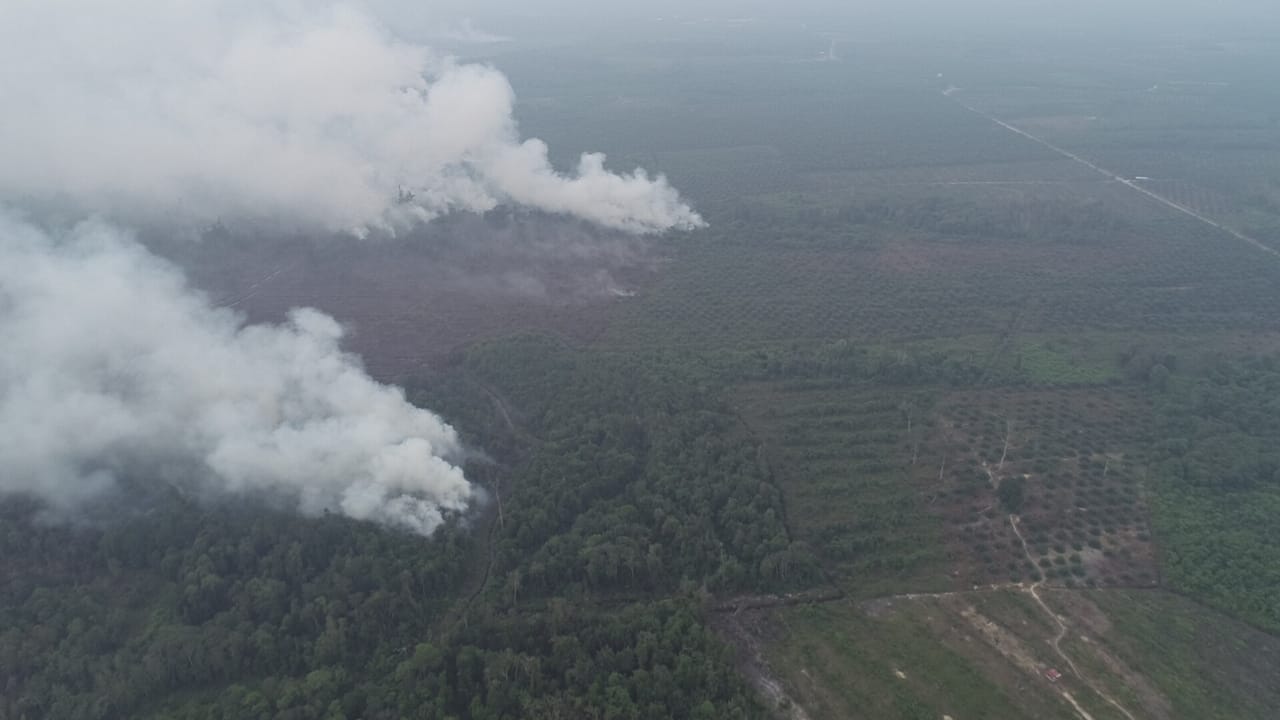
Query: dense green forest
x,y
241,613
578,591
1217,481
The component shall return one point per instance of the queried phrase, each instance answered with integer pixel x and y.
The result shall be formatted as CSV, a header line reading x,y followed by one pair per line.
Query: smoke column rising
x,y
304,113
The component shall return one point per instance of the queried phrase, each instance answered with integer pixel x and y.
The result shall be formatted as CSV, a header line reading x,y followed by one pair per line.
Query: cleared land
x,y
991,653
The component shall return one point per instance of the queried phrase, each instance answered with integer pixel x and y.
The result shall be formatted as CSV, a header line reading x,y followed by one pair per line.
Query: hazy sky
x,y
911,18
977,10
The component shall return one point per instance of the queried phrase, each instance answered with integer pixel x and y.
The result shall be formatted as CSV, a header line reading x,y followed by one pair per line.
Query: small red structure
x,y
1053,675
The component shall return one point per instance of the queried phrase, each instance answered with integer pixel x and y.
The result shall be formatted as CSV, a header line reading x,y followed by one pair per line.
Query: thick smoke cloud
x,y
179,113
309,111
113,367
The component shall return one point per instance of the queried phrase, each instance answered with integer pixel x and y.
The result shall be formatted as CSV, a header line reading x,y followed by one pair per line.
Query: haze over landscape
x,y
150,121
384,359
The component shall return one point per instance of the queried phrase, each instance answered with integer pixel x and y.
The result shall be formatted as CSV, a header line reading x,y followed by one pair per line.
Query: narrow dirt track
x,y
1056,642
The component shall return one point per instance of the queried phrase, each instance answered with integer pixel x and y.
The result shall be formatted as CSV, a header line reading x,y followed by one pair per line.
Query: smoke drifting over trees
x,y
307,114
115,367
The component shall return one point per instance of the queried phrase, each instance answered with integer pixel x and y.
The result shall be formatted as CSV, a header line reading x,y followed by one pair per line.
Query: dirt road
x,y
1131,184
1034,591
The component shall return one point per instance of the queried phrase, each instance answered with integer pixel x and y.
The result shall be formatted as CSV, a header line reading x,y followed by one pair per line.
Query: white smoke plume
x,y
306,113
304,110
113,367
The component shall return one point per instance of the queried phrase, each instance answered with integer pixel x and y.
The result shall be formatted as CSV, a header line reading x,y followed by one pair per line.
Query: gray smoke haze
x,y
303,110
177,113
114,367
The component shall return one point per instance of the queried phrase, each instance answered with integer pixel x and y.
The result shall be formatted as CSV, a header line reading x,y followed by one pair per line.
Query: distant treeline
x,y
1031,219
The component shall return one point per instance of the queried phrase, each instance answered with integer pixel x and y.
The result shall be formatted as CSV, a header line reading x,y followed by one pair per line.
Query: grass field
x,y
986,654
844,662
